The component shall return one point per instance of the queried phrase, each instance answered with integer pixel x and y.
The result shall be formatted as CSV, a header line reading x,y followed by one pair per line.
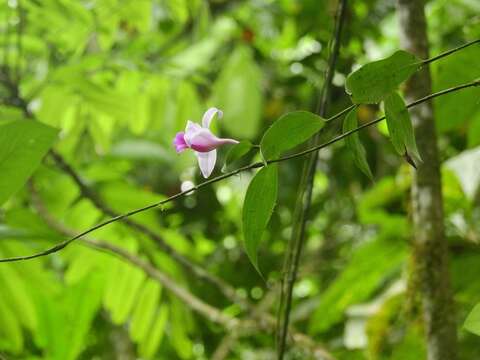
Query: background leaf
x,y
237,92
453,70
235,153
472,323
368,265
22,146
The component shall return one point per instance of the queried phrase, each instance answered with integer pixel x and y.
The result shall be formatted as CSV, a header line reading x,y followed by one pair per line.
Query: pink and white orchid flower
x,y
202,141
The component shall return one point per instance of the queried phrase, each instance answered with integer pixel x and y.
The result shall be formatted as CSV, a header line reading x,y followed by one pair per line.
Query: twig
x,y
449,52
304,196
65,243
223,349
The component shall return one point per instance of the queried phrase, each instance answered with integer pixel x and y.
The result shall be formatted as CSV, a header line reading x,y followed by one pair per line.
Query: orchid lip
x,y
179,142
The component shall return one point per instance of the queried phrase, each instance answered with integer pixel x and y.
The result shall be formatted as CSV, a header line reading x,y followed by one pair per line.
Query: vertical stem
x,y
6,38
429,252
304,195
19,41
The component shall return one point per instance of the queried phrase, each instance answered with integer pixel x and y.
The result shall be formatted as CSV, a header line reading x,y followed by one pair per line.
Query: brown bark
x,y
430,257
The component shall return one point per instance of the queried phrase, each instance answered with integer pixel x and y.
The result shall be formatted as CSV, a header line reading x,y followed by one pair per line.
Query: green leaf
x,y
451,71
22,146
257,209
79,311
472,323
15,293
139,150
400,127
179,328
290,130
155,335
200,53
126,292
411,347
354,145
358,280
144,312
474,131
238,93
374,81
11,338
235,153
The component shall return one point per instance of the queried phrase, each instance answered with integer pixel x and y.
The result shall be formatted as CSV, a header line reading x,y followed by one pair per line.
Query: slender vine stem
x,y
449,52
18,65
256,165
304,195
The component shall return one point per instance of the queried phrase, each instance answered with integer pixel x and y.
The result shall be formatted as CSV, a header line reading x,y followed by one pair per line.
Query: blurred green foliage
x,y
118,79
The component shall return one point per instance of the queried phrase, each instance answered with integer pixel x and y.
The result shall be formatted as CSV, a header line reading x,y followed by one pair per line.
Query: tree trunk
x,y
430,258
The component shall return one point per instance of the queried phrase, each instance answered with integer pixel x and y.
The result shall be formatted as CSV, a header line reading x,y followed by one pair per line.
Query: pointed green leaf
x,y
11,337
290,130
154,337
354,145
144,312
400,127
472,323
127,289
179,329
257,209
453,70
15,293
22,146
357,281
235,153
374,81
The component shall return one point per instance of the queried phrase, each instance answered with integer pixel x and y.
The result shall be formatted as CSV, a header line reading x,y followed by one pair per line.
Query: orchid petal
x,y
209,115
191,130
192,127
206,162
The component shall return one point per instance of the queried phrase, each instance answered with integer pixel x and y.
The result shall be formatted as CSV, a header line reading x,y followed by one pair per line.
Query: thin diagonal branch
x,y
450,52
65,243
